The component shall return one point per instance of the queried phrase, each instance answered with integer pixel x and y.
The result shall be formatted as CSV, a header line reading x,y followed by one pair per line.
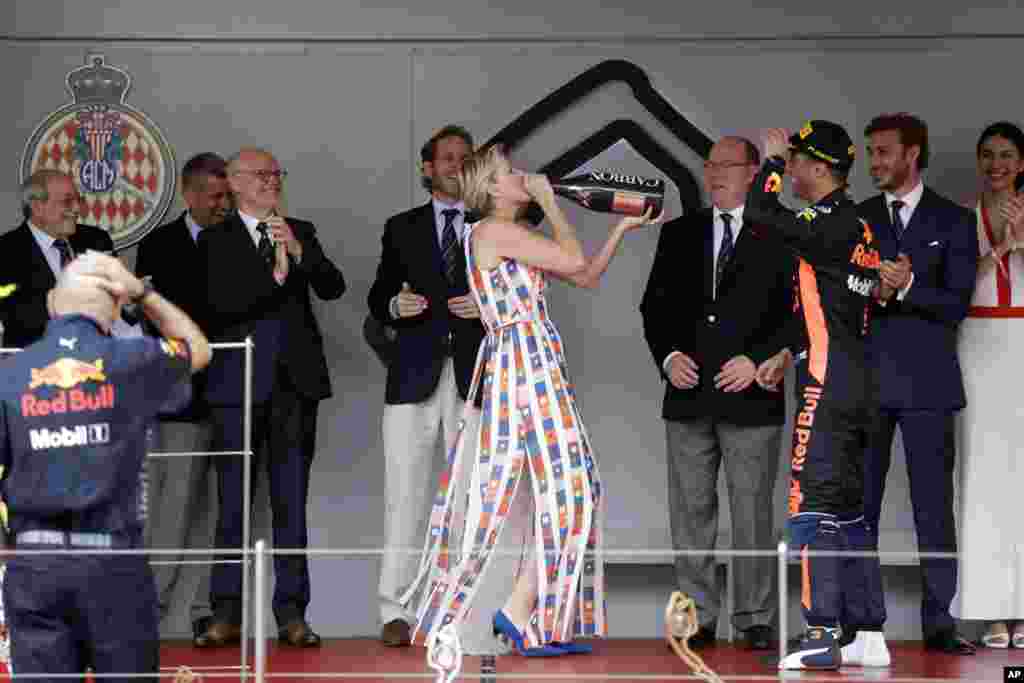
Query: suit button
x,y
712,319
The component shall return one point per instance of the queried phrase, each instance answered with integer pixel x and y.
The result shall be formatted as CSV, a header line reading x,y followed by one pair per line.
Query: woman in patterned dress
x,y
991,574
530,432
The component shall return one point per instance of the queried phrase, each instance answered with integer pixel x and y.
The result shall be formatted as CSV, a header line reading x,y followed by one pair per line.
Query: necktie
x,y
265,247
897,219
725,251
450,246
63,247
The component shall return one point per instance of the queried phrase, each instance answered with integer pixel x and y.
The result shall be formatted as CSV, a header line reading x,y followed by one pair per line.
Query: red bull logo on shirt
x,y
66,374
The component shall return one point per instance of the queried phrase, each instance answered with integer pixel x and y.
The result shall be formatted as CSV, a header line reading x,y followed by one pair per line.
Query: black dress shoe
x,y
199,627
297,633
758,638
950,643
217,634
396,633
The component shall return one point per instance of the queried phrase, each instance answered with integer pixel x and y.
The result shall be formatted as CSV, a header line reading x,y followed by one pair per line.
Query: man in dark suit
x,y
929,247
259,269
33,254
422,291
181,509
719,303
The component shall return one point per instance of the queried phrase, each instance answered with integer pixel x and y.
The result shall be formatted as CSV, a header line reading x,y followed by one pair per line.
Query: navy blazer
x,y
23,313
913,342
752,316
243,299
411,253
170,257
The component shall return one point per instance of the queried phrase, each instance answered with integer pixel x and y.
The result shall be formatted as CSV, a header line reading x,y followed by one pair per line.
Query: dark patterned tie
x,y
265,247
724,252
63,247
450,246
897,219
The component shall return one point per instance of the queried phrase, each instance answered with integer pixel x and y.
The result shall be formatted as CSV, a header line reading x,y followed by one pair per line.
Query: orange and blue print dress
x,y
529,424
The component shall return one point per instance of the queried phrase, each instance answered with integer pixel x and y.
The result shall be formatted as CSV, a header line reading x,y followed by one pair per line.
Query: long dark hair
x,y
1011,132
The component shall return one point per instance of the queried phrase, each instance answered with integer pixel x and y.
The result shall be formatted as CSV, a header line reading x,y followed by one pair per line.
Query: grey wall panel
x,y
527,18
347,121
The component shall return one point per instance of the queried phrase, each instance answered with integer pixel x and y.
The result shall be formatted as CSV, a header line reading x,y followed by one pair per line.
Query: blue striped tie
x,y
450,246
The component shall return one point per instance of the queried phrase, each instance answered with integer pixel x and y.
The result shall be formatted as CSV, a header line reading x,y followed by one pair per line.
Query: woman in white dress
x,y
991,576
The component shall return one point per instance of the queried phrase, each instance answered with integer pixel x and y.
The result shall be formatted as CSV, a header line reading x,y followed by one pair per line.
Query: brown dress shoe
x,y
396,633
218,634
297,633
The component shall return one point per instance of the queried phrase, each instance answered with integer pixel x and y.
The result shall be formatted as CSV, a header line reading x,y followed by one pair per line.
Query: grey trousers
x,y
182,514
696,449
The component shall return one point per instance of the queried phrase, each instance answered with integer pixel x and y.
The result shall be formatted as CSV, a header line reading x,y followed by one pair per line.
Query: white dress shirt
x,y
250,223
194,227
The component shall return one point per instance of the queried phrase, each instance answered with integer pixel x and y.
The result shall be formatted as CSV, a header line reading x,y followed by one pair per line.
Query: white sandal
x,y
999,640
1018,638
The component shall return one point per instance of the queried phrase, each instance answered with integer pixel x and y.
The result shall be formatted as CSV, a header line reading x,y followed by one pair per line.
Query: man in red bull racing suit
x,y
74,408
837,275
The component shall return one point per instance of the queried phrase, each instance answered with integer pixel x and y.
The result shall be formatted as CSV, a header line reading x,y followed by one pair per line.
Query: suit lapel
x,y
428,251
709,257
919,227
877,214
240,234
427,230
38,267
183,236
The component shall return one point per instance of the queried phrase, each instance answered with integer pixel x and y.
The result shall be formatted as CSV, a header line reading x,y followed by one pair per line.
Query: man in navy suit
x,y
181,508
259,269
422,292
33,254
929,247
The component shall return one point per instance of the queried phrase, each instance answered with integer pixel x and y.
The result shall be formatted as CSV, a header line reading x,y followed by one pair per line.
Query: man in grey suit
x,y
717,305
181,507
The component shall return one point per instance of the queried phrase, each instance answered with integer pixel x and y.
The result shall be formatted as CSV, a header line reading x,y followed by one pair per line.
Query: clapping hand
x,y
1012,212
896,274
776,143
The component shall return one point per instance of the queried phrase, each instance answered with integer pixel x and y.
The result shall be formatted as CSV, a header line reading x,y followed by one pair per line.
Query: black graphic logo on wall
x,y
611,71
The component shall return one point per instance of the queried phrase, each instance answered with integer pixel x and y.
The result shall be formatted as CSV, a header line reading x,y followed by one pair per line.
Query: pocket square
x,y
934,244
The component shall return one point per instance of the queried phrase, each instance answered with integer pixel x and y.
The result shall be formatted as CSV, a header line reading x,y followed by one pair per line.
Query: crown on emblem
x,y
98,81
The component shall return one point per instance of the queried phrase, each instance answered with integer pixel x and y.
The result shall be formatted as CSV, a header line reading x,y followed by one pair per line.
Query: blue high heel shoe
x,y
571,648
503,627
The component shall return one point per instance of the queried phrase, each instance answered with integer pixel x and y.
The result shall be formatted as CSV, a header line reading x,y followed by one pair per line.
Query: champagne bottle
x,y
609,191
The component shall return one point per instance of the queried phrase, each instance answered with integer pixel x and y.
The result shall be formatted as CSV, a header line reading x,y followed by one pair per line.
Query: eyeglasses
x,y
265,175
724,165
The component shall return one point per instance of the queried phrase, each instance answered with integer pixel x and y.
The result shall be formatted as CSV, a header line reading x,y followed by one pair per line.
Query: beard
x,y
446,184
895,178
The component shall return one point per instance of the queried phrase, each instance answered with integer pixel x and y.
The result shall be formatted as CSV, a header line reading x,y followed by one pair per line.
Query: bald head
x,y
256,179
89,286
